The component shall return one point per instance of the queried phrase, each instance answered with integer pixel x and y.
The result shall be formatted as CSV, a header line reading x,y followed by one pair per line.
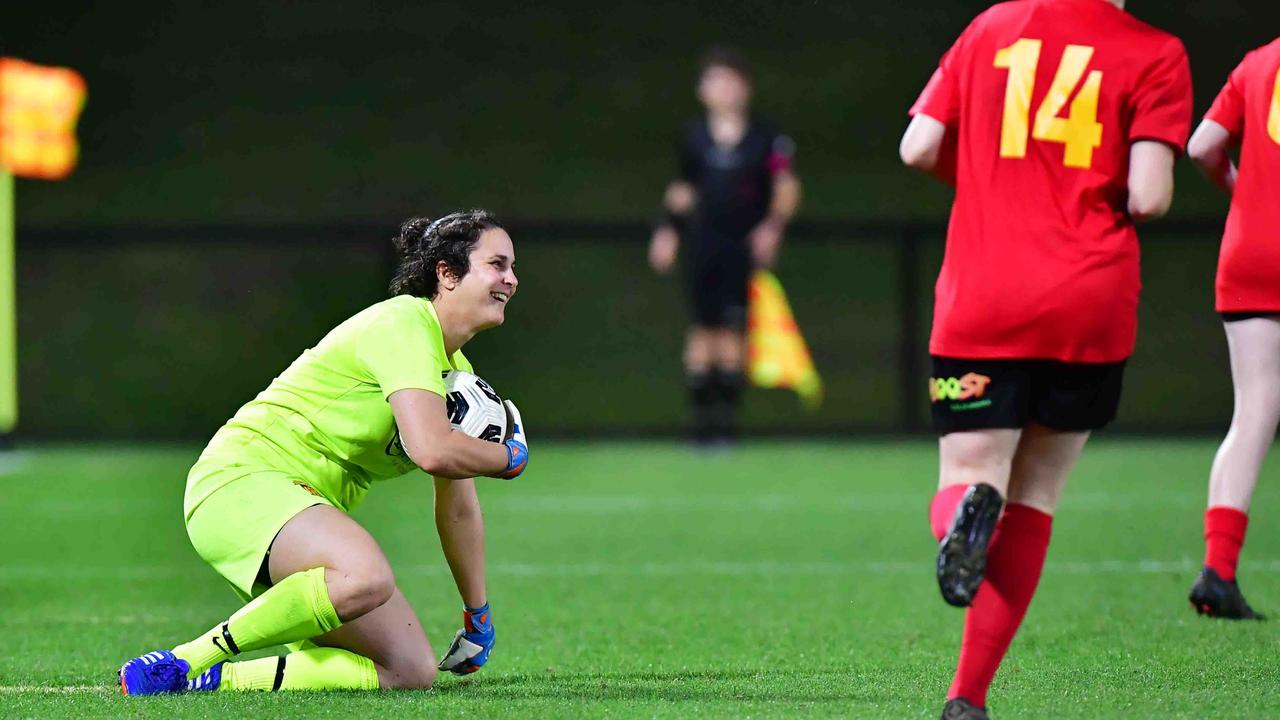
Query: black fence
x,y
163,332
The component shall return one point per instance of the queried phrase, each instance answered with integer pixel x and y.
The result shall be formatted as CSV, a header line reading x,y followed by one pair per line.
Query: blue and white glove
x,y
470,649
517,445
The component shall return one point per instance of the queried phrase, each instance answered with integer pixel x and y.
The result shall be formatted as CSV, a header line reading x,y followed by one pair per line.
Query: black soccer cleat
x,y
962,556
961,709
1215,597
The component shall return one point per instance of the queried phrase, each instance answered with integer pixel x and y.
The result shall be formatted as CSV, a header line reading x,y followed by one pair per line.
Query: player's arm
x,y
679,198
1208,150
1150,179
1160,106
435,446
767,236
930,141
461,528
924,148
677,204
786,198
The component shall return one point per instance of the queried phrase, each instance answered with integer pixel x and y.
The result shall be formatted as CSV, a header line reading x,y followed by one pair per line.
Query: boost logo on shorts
x,y
970,386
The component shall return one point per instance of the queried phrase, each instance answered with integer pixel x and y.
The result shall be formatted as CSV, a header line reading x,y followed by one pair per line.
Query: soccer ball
x,y
474,407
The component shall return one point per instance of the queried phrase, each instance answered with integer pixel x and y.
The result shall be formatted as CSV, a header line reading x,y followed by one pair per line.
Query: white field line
x,y
671,569
816,569
14,462
801,502
75,508
43,619
57,689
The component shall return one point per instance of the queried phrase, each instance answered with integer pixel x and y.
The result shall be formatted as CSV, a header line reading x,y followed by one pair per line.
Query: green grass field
x,y
641,580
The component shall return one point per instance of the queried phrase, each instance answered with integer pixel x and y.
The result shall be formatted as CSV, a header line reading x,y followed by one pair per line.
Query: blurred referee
x,y
730,204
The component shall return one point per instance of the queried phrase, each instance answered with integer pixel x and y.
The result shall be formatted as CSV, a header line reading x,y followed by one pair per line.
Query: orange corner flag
x,y
38,111
777,354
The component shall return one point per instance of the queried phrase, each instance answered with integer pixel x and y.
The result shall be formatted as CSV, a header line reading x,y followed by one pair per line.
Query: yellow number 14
x,y
1080,131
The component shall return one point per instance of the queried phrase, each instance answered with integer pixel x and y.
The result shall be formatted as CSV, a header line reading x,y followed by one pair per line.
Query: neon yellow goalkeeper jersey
x,y
326,418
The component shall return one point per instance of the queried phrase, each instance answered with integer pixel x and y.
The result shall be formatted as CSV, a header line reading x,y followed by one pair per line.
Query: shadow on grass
x,y
728,685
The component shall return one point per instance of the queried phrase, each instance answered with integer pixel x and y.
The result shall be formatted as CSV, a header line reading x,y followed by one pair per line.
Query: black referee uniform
x,y
734,187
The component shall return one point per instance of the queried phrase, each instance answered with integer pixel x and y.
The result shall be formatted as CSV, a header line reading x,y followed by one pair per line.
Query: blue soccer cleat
x,y
207,681
155,673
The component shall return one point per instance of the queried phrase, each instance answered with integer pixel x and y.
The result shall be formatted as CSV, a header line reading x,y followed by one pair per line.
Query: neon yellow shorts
x,y
232,529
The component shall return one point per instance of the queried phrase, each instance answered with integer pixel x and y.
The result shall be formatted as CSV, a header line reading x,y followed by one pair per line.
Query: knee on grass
x,y
409,675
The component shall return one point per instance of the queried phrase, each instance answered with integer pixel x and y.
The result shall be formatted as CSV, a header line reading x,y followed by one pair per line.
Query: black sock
x,y
702,400
728,386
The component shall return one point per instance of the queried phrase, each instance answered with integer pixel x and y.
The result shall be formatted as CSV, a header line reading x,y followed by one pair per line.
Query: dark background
x,y
243,167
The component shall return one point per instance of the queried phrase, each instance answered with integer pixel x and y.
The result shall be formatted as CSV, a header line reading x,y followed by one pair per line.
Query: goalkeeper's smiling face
x,y
483,293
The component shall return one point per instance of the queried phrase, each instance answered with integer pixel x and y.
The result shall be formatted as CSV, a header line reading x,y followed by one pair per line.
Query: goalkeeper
x,y
267,503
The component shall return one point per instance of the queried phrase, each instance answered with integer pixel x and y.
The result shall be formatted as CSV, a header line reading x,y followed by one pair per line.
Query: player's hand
x,y
765,241
516,443
662,249
471,646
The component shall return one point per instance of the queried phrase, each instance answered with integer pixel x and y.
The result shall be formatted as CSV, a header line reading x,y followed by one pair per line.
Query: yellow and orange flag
x,y
39,107
777,354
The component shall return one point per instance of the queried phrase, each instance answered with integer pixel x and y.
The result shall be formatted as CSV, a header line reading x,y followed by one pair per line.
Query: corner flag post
x,y
38,111
8,310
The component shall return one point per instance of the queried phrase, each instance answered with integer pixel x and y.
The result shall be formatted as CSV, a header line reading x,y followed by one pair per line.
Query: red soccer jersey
x,y
1046,97
1249,108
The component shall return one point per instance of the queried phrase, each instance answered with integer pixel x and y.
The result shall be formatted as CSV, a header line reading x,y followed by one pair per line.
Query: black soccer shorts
x,y
1238,316
718,287
982,394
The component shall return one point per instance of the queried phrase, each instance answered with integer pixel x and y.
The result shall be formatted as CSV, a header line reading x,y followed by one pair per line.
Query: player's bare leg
x,y
1042,466
376,641
1255,374
378,623
392,637
699,366
698,352
326,570
1039,472
729,352
380,643
973,478
977,456
730,348
357,574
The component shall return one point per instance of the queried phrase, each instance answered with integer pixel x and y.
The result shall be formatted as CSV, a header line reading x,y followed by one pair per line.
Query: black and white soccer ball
x,y
474,407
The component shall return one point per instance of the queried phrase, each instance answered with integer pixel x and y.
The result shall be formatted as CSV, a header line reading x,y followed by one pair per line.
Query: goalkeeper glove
x,y
517,445
471,646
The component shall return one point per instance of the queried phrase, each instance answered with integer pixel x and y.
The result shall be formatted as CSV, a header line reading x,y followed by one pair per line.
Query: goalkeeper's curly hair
x,y
423,243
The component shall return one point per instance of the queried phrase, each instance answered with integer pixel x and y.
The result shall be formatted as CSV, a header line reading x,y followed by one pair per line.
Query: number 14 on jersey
x,y
1080,132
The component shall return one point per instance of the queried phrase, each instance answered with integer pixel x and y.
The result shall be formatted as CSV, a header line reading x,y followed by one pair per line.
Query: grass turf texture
x,y
634,580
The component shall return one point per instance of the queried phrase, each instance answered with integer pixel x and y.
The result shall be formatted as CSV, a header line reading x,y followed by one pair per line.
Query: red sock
x,y
1014,561
1224,529
943,509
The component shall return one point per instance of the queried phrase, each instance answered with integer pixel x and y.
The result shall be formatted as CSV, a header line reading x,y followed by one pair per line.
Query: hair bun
x,y
413,232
